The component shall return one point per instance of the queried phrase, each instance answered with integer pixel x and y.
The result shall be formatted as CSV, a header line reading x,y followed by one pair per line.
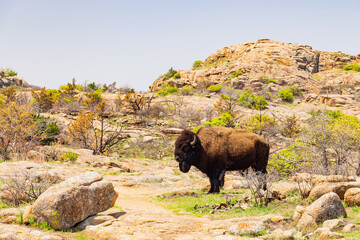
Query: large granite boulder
x,y
73,200
327,207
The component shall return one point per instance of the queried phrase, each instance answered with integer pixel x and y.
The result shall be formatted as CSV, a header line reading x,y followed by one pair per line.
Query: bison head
x,y
186,150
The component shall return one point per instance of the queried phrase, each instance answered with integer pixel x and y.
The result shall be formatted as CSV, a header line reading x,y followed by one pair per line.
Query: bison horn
x,y
194,141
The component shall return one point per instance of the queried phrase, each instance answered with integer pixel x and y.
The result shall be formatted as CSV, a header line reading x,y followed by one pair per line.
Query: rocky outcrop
x,y
327,207
338,188
287,63
7,81
17,232
70,202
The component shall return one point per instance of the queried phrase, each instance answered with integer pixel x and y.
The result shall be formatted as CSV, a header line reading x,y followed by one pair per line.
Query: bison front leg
x,y
217,181
215,185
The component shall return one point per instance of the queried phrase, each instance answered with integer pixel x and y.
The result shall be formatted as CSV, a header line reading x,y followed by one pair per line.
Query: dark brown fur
x,y
216,150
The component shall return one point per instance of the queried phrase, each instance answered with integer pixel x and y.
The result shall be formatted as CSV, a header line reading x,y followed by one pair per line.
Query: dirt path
x,y
145,218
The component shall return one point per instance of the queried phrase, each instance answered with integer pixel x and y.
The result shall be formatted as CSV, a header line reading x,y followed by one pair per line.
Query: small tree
x,y
107,135
135,101
9,93
44,99
227,101
95,130
17,130
79,130
197,64
252,101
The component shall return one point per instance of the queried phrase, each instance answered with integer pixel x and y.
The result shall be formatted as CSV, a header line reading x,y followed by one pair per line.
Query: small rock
x,y
150,178
249,227
240,184
327,234
148,139
352,197
299,210
27,214
36,156
348,228
296,216
94,220
327,207
332,224
284,188
282,234
9,215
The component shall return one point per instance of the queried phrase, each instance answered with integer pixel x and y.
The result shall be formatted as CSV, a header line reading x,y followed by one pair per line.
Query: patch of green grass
x,y
353,213
20,218
353,235
45,226
69,156
352,67
187,202
4,205
118,207
261,233
82,236
234,75
215,63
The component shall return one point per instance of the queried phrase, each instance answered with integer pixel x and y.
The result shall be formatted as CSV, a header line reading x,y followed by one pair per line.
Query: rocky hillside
x,y
287,63
6,80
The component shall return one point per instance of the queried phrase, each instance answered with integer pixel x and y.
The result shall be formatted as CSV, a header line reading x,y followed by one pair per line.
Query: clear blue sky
x,y
133,42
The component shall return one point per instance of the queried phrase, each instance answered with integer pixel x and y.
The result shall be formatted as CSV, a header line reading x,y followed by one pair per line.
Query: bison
x,y
215,150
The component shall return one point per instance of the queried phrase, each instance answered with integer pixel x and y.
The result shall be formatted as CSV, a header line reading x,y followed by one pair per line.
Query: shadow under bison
x,y
215,150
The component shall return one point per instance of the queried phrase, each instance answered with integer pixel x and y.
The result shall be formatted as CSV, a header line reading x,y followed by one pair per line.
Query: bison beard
x,y
215,150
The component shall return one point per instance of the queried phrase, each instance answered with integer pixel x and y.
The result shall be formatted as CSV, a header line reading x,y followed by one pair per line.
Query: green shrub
x,y
172,90
1,100
187,90
69,156
252,101
197,64
68,87
235,74
50,129
352,67
92,86
9,72
226,119
287,161
166,90
268,80
296,91
169,74
214,88
196,129
258,123
286,95
176,75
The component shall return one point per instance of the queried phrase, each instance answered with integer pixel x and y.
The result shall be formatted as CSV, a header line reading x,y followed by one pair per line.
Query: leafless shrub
x,y
194,115
305,184
260,186
52,153
22,98
21,187
154,149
